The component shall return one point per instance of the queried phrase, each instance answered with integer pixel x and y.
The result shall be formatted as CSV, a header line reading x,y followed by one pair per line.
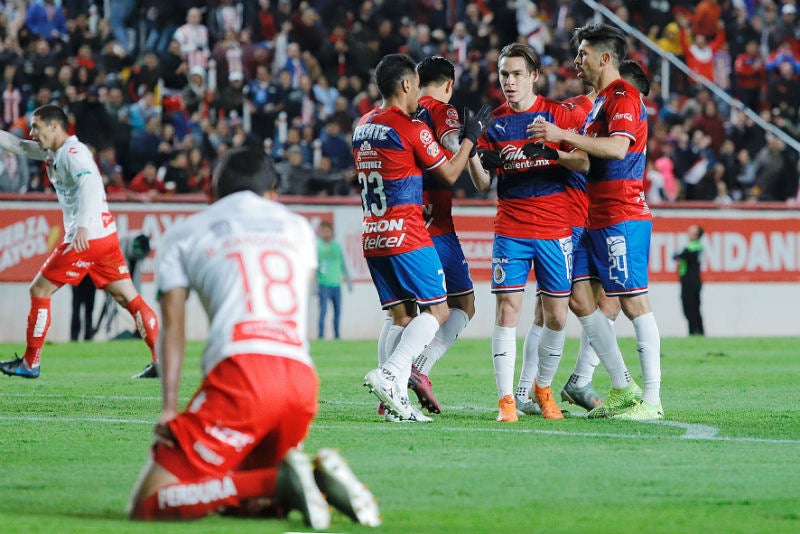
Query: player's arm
x,y
452,143
472,127
614,147
21,147
172,348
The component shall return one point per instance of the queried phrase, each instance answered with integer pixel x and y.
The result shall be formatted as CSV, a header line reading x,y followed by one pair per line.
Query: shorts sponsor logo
x,y
197,402
123,269
72,274
80,264
191,494
207,454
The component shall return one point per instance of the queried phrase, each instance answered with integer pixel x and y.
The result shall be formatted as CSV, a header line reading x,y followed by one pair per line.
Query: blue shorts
x,y
582,266
456,271
552,264
621,255
417,276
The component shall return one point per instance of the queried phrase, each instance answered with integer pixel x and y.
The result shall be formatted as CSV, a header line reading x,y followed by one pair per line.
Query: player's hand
x,y
538,150
81,242
541,131
491,159
473,125
163,435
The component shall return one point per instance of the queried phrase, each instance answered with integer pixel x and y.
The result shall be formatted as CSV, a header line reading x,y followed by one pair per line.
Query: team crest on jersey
x,y
426,137
498,274
433,150
452,113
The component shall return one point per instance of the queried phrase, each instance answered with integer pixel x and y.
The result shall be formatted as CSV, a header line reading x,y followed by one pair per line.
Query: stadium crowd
x,y
160,90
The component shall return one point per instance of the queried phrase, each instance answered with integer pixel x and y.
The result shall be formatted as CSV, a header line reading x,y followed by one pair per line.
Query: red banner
x,y
738,246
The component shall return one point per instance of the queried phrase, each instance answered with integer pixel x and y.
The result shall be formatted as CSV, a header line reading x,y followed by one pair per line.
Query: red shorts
x,y
103,261
249,410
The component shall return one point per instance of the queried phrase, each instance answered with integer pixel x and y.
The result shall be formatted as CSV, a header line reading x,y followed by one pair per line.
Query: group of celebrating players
x,y
570,206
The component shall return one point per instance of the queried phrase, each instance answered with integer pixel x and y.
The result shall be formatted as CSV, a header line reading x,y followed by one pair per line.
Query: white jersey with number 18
x,y
251,262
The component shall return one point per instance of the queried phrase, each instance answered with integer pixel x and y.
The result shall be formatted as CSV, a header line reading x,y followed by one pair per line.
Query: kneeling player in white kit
x,y
251,262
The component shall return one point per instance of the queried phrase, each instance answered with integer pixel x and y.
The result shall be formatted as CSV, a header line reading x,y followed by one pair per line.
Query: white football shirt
x,y
80,190
251,262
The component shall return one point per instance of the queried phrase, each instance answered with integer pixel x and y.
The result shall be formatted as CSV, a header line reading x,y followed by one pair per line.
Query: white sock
x,y
648,345
601,336
417,334
392,339
530,361
587,360
504,355
445,336
382,352
551,346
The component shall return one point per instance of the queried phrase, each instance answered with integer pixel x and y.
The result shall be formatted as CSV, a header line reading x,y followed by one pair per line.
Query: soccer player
x,y
391,149
578,389
251,262
437,78
91,244
532,226
619,224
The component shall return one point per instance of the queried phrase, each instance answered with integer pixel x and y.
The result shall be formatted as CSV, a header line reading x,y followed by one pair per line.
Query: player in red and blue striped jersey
x,y
437,78
620,222
532,228
390,150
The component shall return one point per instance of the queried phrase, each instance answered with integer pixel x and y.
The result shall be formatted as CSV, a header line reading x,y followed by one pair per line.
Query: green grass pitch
x,y
727,459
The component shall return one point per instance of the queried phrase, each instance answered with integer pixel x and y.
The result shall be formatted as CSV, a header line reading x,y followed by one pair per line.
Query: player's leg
x,y
601,336
579,389
554,277
57,270
511,264
262,408
648,345
413,276
526,404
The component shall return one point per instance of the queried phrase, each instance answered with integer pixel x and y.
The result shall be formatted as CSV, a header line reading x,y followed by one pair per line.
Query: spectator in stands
x,y
146,145
92,123
197,96
264,27
420,44
750,76
783,91
711,123
227,17
231,97
46,20
699,50
175,175
193,38
787,25
776,172
176,68
146,181
294,173
199,171
704,20
337,147
307,29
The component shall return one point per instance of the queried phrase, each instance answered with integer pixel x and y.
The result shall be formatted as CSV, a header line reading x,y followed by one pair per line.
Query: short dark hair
x,y
49,113
244,168
524,51
435,70
633,73
390,73
605,38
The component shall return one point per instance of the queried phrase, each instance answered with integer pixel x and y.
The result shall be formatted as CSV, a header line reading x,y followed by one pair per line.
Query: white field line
x,y
692,431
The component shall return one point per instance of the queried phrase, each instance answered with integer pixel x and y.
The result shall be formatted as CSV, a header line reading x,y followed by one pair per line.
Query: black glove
x,y
473,125
491,159
539,150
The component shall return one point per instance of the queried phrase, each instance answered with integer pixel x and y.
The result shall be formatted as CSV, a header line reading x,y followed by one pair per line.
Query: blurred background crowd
x,y
160,89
